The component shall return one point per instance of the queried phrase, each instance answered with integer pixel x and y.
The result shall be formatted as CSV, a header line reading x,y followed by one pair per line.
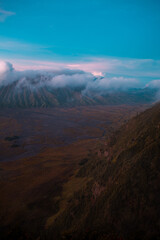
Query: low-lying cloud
x,y
5,67
155,84
101,85
66,77
6,72
74,80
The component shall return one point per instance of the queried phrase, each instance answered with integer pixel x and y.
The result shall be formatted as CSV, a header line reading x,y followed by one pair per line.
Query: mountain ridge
x,y
120,198
30,96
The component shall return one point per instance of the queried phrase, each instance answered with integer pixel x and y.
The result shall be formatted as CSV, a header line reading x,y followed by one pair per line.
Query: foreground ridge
x,y
120,197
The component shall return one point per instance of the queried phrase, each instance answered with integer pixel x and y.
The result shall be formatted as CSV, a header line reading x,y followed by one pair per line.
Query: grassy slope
x,y
27,97
120,197
35,189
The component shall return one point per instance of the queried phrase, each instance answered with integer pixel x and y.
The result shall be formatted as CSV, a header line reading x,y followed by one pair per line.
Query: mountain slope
x,y
120,194
33,95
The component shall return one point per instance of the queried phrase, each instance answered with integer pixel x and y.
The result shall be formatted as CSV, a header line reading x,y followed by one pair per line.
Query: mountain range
x,y
34,93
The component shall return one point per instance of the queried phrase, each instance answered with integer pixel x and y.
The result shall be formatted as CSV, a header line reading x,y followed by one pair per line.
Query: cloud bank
x,y
147,68
69,77
6,73
155,84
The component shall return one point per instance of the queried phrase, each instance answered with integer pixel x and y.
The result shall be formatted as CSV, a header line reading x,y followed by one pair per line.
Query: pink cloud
x,y
96,66
22,65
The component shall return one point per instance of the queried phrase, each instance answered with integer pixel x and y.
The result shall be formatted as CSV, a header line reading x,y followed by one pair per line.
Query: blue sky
x,y
81,31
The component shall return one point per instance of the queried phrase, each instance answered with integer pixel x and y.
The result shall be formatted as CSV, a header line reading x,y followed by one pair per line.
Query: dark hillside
x,y
120,194
30,96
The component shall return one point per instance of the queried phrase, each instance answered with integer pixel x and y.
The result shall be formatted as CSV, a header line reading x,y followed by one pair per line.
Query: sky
x,y
114,37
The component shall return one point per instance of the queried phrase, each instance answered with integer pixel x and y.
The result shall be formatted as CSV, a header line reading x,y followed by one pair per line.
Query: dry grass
x,y
36,188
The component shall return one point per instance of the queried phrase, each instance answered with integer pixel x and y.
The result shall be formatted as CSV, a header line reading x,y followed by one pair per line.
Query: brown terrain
x,y
40,152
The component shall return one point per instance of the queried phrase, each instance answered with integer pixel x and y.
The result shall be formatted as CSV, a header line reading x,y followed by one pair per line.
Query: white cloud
x,y
101,85
6,72
57,76
121,83
36,78
154,84
75,80
5,67
100,74
129,68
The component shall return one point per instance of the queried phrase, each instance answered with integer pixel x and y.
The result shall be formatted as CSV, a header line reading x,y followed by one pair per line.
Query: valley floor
x,y
40,151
